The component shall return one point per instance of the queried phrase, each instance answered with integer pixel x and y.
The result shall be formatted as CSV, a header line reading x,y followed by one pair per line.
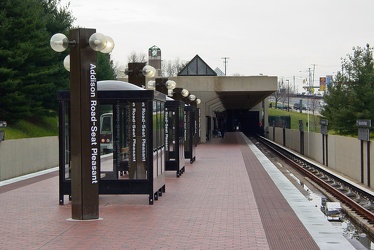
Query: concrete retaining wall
x,y
25,156
344,153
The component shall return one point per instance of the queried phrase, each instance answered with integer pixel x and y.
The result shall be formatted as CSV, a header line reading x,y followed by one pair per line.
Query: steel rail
x,y
282,152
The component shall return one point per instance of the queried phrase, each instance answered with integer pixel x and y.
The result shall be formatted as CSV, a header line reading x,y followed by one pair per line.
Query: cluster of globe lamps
x,y
105,44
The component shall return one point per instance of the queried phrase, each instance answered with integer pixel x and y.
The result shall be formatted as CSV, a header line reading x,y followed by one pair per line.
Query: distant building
x,y
197,67
219,72
154,59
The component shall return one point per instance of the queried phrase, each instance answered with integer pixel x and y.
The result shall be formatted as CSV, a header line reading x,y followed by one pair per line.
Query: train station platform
x,y
231,197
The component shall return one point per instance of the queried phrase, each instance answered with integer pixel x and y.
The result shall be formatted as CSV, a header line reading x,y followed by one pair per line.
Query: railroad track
x,y
356,197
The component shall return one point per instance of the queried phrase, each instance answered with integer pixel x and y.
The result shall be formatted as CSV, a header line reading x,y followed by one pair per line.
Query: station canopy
x,y
232,92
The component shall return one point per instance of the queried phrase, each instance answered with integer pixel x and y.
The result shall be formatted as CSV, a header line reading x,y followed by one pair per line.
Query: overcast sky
x,y
270,37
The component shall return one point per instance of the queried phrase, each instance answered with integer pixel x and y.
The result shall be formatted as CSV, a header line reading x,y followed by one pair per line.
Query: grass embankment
x,y
44,126
296,116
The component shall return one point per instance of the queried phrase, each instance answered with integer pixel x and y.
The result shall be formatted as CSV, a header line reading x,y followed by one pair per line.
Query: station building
x,y
228,103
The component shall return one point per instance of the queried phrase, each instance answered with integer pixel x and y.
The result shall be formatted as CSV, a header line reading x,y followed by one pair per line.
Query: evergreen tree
x,y
59,20
30,72
105,67
352,95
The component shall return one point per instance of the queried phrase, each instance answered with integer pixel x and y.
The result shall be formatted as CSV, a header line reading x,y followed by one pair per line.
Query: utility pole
x,y
294,84
225,62
310,81
314,70
288,95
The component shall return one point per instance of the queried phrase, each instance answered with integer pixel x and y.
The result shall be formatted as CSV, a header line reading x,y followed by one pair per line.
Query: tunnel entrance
x,y
245,121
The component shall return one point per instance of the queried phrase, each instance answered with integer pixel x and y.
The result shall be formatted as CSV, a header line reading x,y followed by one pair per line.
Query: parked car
x,y
296,106
281,106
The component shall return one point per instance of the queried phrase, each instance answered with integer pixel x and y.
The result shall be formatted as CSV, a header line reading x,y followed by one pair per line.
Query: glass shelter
x,y
174,136
131,159
190,131
197,136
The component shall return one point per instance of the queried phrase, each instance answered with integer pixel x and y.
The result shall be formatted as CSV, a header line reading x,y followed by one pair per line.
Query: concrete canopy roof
x,y
242,99
234,92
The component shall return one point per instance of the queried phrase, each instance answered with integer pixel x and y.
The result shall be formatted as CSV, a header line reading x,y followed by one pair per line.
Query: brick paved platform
x,y
226,199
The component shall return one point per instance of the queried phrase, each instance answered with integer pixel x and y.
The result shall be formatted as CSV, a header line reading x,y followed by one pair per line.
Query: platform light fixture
x,y
59,42
170,85
163,85
138,72
180,94
185,92
147,71
184,95
67,63
151,85
97,41
192,97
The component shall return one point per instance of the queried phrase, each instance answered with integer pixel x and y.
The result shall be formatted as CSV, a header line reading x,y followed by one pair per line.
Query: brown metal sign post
x,y
324,132
364,135
85,147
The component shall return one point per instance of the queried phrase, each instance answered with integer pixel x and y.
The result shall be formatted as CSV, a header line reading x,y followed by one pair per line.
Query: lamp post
x,y
85,146
190,120
180,94
138,72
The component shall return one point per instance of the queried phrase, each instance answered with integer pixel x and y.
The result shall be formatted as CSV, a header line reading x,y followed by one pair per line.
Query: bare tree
x,y
314,103
180,64
172,68
137,57
279,95
169,69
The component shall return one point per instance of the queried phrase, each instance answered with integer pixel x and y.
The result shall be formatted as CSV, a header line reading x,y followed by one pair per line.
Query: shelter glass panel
x,y
66,138
122,144
181,122
187,138
106,139
162,135
154,117
171,135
